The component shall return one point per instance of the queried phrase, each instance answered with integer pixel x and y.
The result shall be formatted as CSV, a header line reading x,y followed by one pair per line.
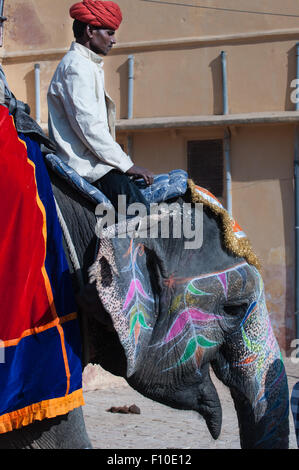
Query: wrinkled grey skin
x,y
168,357
245,356
63,432
190,310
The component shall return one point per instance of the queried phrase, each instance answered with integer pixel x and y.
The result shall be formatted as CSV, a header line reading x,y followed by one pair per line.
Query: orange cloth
x,y
104,14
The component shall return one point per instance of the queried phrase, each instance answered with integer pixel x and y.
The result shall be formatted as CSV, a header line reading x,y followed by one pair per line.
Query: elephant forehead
x,y
161,310
219,286
194,309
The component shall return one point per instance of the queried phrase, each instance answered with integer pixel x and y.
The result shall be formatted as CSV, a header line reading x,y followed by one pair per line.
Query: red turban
x,y
104,14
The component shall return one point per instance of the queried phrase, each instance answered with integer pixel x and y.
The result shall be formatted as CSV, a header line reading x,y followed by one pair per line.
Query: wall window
x,y
205,164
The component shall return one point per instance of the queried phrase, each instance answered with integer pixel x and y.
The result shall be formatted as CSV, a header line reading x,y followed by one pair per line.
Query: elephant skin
x,y
189,310
177,311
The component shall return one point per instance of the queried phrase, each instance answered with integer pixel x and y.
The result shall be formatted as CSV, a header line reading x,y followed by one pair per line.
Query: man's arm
x,y
139,171
2,92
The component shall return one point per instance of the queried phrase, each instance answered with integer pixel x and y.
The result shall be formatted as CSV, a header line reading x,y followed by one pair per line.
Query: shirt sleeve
x,y
2,92
89,124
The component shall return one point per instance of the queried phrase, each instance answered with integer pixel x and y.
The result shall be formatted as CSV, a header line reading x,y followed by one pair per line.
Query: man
x,y
82,115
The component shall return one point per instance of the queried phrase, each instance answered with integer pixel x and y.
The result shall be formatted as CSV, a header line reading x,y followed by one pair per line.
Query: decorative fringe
x,y
39,411
240,247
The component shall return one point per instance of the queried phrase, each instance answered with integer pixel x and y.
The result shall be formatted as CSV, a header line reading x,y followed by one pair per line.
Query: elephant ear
x,y
124,287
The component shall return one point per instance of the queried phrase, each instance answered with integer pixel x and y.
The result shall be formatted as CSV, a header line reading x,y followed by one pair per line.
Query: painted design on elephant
x,y
262,351
262,347
136,299
197,320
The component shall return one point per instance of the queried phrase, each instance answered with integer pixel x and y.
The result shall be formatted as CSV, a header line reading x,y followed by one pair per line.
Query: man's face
x,y
102,40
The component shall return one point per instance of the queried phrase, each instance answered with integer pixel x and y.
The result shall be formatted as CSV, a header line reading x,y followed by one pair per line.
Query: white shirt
x,y
2,92
82,116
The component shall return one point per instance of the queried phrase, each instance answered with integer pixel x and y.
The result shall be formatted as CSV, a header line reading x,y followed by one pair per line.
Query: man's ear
x,y
88,31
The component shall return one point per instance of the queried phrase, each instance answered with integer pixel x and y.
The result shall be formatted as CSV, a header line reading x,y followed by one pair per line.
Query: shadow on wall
x,y
123,89
216,70
30,91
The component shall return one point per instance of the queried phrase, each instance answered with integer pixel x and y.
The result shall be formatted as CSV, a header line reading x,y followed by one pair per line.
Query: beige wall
x,y
170,79
185,82
263,204
145,20
178,73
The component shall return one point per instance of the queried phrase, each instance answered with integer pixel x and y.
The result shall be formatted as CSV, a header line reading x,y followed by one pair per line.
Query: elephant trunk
x,y
263,420
261,400
249,362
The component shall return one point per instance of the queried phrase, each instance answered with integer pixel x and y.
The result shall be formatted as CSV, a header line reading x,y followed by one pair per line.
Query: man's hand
x,y
138,171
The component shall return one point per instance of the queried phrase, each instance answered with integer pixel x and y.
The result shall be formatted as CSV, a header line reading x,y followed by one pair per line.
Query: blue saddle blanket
x,y
165,185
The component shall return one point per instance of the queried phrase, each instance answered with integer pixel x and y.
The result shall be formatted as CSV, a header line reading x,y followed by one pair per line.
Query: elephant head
x,y
178,311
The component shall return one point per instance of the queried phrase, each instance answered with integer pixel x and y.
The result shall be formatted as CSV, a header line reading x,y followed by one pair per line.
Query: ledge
x,y
159,44
279,117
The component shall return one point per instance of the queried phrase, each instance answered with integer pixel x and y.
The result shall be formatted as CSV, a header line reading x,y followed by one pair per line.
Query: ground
x,y
157,426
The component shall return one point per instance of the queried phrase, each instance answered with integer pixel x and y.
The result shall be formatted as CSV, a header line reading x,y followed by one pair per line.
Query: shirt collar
x,y
85,52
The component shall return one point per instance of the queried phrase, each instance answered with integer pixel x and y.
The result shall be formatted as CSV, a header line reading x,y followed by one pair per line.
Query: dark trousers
x,y
116,183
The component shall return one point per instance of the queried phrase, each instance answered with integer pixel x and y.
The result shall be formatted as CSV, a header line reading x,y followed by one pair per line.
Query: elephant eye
x,y
106,274
235,309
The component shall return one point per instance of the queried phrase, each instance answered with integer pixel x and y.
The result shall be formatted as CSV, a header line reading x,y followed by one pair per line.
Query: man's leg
x,y
116,183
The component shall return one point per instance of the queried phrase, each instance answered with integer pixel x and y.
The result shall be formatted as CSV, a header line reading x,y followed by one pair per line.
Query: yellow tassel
x,y
240,247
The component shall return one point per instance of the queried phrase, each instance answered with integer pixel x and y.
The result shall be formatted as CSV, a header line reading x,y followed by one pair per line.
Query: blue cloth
x,y
165,186
40,357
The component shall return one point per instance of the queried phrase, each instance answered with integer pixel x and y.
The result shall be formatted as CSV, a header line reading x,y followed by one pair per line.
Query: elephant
x,y
160,315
